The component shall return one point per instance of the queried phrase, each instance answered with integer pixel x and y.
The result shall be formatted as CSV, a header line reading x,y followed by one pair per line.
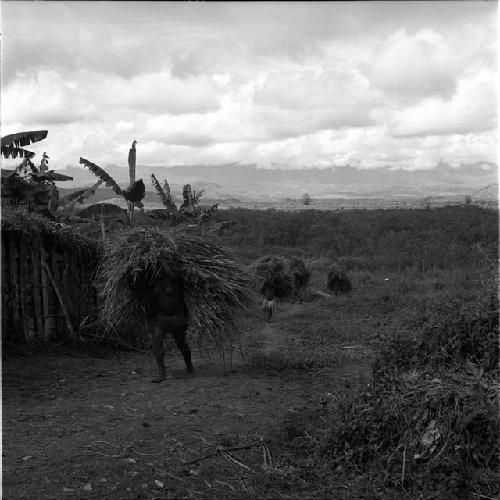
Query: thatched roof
x,y
33,227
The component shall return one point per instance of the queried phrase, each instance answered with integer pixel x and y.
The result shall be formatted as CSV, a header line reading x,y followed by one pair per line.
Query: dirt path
x,y
273,335
84,427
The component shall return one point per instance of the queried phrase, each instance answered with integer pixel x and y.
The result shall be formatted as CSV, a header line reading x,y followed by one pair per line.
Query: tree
x,y
32,186
306,199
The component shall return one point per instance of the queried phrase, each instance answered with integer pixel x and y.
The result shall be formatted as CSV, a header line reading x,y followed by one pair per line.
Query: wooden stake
x,y
14,283
22,285
45,295
37,291
61,302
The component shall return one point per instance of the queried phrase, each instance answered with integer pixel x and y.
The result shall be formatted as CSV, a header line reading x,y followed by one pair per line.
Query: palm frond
x,y
103,175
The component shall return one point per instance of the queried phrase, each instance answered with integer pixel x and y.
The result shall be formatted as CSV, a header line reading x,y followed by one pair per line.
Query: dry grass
x,y
215,287
269,272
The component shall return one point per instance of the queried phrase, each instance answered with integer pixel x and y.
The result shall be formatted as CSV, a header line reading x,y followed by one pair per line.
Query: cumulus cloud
x,y
416,64
47,99
159,92
472,108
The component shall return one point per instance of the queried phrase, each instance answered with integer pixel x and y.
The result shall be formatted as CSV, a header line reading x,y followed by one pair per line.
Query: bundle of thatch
x,y
337,281
215,287
299,273
269,273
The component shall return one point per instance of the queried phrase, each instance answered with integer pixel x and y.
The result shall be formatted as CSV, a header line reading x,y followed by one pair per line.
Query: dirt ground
x,y
80,426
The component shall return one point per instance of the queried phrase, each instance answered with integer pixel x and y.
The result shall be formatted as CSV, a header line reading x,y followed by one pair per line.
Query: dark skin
x,y
167,296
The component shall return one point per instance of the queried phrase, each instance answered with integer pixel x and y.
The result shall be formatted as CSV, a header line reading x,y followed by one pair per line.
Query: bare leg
x,y
180,340
269,313
158,352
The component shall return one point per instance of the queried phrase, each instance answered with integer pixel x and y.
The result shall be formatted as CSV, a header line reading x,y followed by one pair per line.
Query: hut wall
x,y
44,288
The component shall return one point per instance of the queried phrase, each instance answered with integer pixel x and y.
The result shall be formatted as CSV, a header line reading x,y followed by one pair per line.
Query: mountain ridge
x,y
247,182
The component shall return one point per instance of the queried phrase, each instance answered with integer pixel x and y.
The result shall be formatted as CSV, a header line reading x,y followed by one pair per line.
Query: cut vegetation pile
x,y
269,272
215,287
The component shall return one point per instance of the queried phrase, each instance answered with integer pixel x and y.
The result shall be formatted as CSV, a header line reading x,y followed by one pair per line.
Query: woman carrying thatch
x,y
170,314
299,275
175,282
270,279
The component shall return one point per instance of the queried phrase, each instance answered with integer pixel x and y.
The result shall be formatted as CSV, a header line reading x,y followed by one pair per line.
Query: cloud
x,y
48,99
416,65
472,108
121,125
161,93
296,102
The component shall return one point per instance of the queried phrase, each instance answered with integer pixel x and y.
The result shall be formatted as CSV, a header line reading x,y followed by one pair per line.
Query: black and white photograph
x,y
249,250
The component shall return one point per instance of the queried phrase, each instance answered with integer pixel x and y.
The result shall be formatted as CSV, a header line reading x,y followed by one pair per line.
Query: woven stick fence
x,y
47,275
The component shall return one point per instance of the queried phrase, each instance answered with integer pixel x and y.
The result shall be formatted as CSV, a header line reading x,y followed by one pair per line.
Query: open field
x,y
87,425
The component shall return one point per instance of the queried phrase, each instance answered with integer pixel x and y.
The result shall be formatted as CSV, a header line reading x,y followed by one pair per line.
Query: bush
x,y
427,426
440,429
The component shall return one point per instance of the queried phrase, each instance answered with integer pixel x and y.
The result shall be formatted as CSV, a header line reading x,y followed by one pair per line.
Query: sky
x,y
287,84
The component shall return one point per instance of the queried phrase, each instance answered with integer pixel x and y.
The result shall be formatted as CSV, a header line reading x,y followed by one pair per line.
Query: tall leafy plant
x,y
136,191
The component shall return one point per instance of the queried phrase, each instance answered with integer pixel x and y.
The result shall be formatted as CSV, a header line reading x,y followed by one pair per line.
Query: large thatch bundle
x,y
298,272
215,287
269,273
337,281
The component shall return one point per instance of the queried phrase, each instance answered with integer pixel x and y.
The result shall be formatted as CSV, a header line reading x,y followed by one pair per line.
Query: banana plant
x,y
12,144
68,203
165,195
190,210
34,187
133,194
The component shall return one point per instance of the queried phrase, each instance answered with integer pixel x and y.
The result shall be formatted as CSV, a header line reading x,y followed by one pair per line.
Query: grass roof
x,y
33,227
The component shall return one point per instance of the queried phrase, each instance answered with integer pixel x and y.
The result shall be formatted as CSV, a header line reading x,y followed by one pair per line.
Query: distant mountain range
x,y
249,183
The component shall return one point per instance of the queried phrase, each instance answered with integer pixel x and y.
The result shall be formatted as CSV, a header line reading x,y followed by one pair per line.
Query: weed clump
x,y
337,281
429,419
